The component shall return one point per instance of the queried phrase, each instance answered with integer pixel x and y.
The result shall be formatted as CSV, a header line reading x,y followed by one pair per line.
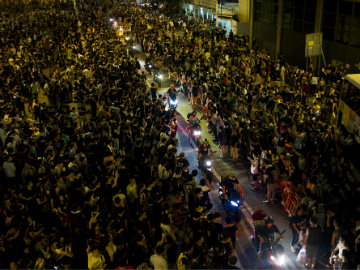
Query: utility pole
x,y
279,27
251,25
216,14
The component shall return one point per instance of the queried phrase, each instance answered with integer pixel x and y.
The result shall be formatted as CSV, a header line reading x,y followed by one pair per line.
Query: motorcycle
x,y
173,122
231,201
173,102
205,165
158,77
195,132
149,67
274,256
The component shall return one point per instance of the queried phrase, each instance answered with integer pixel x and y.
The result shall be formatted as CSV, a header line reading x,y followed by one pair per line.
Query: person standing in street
x,y
270,182
297,226
153,92
311,242
254,169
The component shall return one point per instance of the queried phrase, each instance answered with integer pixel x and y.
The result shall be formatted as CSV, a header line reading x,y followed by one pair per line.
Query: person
x,y
157,260
194,123
228,184
96,260
194,119
182,162
153,91
231,263
336,258
312,242
183,261
338,231
254,170
194,95
270,182
172,96
265,235
298,225
10,171
204,150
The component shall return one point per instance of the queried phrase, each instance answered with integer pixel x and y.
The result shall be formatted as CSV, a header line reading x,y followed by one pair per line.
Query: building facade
x,y
281,27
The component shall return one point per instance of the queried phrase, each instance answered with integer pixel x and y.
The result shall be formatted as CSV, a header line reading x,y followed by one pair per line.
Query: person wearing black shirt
x,y
232,263
153,92
266,234
270,182
298,224
181,161
312,241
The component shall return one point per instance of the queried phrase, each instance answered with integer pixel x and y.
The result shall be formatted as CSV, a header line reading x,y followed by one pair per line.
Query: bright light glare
x,y
127,38
281,260
235,204
197,132
160,76
134,47
150,66
173,102
208,163
111,19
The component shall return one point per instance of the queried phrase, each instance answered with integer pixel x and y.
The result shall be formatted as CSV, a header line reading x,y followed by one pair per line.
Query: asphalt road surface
x,y
245,251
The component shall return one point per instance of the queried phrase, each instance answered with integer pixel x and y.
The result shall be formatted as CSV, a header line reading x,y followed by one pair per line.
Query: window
x,y
329,19
265,11
328,33
343,29
330,6
355,34
345,8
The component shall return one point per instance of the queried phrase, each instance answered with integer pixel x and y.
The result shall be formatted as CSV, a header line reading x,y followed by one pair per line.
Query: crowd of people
x,y
96,183
280,117
99,183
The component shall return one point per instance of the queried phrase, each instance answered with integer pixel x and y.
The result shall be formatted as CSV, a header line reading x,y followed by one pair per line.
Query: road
x,y
253,199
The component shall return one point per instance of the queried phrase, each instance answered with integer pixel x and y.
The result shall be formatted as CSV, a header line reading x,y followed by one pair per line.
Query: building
x,y
281,26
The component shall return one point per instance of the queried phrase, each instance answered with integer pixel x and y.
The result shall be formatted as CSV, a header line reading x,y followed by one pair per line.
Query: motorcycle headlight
x,y
173,102
208,163
134,47
127,38
280,260
197,132
160,76
150,66
234,203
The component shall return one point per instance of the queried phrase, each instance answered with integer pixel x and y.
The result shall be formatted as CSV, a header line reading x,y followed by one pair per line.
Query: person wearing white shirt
x,y
339,249
74,115
157,259
9,168
162,171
